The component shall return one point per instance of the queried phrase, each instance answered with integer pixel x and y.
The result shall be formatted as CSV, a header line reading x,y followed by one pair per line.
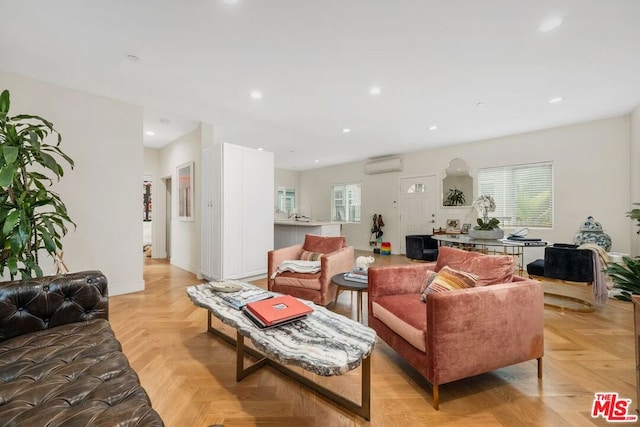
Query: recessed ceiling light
x,y
255,94
480,104
346,130
550,23
433,127
230,1
150,133
375,90
164,121
555,100
316,161
133,58
260,149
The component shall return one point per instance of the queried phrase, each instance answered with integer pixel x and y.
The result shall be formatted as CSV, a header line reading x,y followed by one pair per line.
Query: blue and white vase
x,y
591,232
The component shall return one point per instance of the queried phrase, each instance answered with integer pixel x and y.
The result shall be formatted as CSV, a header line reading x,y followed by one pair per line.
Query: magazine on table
x,y
239,299
357,275
260,324
276,311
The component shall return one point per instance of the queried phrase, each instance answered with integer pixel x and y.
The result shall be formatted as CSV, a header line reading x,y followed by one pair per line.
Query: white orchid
x,y
485,204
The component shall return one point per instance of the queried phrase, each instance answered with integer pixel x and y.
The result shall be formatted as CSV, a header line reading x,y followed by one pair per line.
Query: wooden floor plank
x,y
190,375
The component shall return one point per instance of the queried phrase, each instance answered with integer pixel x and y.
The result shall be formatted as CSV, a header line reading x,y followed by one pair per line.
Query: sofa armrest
x,y
40,303
339,261
477,330
398,279
277,256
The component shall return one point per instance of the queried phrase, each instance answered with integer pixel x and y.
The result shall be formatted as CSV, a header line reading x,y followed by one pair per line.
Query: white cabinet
x,y
237,211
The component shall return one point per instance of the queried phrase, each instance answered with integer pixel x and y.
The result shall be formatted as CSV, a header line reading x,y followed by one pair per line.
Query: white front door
x,y
418,198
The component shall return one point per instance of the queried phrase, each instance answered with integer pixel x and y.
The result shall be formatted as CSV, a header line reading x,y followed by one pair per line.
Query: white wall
x,y
102,194
185,235
591,172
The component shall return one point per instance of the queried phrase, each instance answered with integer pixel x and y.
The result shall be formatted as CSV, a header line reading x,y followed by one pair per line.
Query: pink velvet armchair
x,y
463,332
336,257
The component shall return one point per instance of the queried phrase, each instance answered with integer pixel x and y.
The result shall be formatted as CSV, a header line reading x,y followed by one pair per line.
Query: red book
x,y
279,309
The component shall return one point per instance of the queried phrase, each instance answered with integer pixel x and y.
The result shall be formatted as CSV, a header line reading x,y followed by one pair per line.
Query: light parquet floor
x,y
190,375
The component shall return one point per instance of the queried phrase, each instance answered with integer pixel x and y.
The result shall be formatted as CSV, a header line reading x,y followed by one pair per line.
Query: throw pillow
x,y
490,269
323,244
427,280
310,256
448,279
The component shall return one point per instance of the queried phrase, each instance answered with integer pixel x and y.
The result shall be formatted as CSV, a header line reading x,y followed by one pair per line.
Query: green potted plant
x,y
32,217
487,228
626,275
454,197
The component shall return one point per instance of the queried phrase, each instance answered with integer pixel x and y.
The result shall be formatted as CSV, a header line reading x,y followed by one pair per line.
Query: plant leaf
x,y
10,153
6,174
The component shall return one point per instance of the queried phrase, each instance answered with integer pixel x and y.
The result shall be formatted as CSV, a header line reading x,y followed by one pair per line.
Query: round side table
x,y
349,285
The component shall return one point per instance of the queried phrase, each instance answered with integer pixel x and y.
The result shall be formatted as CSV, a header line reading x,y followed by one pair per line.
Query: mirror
x,y
457,185
286,200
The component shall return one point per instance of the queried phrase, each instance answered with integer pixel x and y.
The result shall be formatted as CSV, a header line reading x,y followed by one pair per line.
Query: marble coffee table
x,y
324,343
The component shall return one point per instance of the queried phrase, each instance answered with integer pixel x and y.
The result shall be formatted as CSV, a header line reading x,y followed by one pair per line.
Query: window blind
x,y
523,194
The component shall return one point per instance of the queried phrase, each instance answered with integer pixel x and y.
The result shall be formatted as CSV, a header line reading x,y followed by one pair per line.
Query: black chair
x,y
564,263
421,247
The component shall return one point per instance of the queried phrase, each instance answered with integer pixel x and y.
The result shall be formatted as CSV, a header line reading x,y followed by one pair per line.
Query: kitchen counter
x,y
289,232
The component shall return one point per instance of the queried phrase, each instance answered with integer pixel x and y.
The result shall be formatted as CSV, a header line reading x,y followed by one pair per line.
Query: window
x,y
523,194
345,203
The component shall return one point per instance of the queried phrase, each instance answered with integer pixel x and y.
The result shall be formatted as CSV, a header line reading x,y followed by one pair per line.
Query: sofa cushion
x,y
490,269
448,279
298,280
405,315
427,280
454,257
74,374
310,256
323,244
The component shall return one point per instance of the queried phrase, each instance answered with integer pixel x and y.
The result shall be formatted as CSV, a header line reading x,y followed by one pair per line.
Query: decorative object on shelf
x,y
465,228
453,226
487,228
591,232
454,197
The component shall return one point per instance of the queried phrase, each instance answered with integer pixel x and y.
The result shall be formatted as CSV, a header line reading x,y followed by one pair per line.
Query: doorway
x,y
418,201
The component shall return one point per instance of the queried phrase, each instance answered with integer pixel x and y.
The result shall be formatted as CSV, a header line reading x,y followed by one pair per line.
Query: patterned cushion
x,y
310,256
448,279
427,280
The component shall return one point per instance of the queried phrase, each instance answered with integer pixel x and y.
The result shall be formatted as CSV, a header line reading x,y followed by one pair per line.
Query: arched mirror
x,y
457,185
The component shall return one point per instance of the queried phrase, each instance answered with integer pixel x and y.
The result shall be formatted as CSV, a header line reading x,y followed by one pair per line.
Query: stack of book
x,y
357,275
276,311
239,299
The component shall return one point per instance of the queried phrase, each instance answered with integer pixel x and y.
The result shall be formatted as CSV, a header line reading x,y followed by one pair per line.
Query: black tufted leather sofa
x,y
60,363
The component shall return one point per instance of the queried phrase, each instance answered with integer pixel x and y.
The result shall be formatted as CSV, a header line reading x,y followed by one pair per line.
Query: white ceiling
x,y
315,60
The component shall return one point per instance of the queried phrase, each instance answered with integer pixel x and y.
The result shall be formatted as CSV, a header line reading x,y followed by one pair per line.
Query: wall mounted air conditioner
x,y
383,165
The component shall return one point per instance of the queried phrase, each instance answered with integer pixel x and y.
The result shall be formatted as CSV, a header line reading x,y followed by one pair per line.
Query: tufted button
x,y
20,308
45,287
67,299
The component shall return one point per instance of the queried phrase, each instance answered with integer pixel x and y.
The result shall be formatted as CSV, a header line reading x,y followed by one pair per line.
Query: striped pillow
x,y
449,279
310,256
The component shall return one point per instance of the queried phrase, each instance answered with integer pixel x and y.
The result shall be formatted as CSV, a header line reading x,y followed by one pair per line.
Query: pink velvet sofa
x,y
462,332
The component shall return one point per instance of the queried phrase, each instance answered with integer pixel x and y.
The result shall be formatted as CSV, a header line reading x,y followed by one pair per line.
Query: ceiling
x,y
475,69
